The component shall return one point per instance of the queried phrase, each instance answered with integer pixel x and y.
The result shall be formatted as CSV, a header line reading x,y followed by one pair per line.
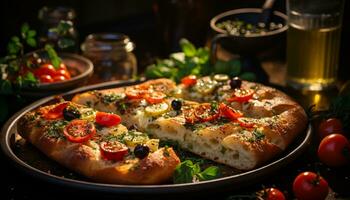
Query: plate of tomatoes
x,y
53,76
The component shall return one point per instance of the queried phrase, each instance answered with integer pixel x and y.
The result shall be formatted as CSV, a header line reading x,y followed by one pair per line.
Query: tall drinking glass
x,y
313,43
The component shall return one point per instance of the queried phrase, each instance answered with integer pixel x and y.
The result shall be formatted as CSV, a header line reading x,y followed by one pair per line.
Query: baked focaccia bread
x,y
96,145
240,124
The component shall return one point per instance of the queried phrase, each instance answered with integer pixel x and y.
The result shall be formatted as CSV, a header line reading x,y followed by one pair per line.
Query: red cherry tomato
x,y
310,186
329,126
62,66
154,97
45,69
272,194
64,73
189,80
334,150
244,123
228,112
55,112
59,78
135,93
241,95
107,119
79,130
204,112
46,79
189,115
113,150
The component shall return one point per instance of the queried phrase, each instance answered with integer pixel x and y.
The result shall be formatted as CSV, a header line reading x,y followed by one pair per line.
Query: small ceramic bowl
x,y
248,44
80,68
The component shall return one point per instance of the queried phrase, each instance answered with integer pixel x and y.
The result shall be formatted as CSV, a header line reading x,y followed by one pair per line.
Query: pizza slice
x,y
96,145
240,126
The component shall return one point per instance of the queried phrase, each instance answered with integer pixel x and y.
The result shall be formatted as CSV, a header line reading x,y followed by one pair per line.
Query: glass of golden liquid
x,y
313,40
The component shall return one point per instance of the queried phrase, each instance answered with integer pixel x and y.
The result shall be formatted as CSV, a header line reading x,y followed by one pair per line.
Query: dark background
x,y
154,25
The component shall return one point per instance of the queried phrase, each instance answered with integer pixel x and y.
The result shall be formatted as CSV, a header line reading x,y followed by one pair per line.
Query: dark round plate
x,y
82,68
30,160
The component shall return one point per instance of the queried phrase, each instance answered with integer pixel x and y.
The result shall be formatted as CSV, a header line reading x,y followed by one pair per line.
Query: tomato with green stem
x,y
310,186
271,194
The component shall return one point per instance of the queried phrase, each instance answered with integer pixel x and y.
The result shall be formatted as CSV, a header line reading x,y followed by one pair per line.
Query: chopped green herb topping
x,y
112,97
257,136
55,129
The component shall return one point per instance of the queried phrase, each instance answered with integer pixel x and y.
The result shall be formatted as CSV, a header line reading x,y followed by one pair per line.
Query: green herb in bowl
x,y
238,27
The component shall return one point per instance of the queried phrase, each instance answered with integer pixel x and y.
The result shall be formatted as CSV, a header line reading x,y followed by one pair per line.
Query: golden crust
x,y
82,158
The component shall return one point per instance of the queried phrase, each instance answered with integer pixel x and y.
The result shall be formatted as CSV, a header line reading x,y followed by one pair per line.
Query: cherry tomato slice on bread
x,y
334,150
135,93
241,95
229,113
204,112
113,150
310,186
107,119
189,115
189,80
79,130
55,112
155,97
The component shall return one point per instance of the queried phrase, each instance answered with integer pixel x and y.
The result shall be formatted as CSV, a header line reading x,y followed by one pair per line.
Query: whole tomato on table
x,y
334,150
310,186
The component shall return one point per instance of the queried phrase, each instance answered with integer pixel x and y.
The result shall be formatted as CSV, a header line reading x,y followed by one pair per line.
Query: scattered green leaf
x,y
55,60
188,172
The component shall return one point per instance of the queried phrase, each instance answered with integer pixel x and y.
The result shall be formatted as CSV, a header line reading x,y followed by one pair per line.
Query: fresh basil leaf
x,y
203,55
30,77
15,39
31,33
178,58
55,60
31,42
14,46
187,47
24,30
209,173
64,26
249,76
185,172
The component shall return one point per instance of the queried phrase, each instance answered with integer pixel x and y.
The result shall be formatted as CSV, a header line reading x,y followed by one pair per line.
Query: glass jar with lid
x,y
58,28
112,55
